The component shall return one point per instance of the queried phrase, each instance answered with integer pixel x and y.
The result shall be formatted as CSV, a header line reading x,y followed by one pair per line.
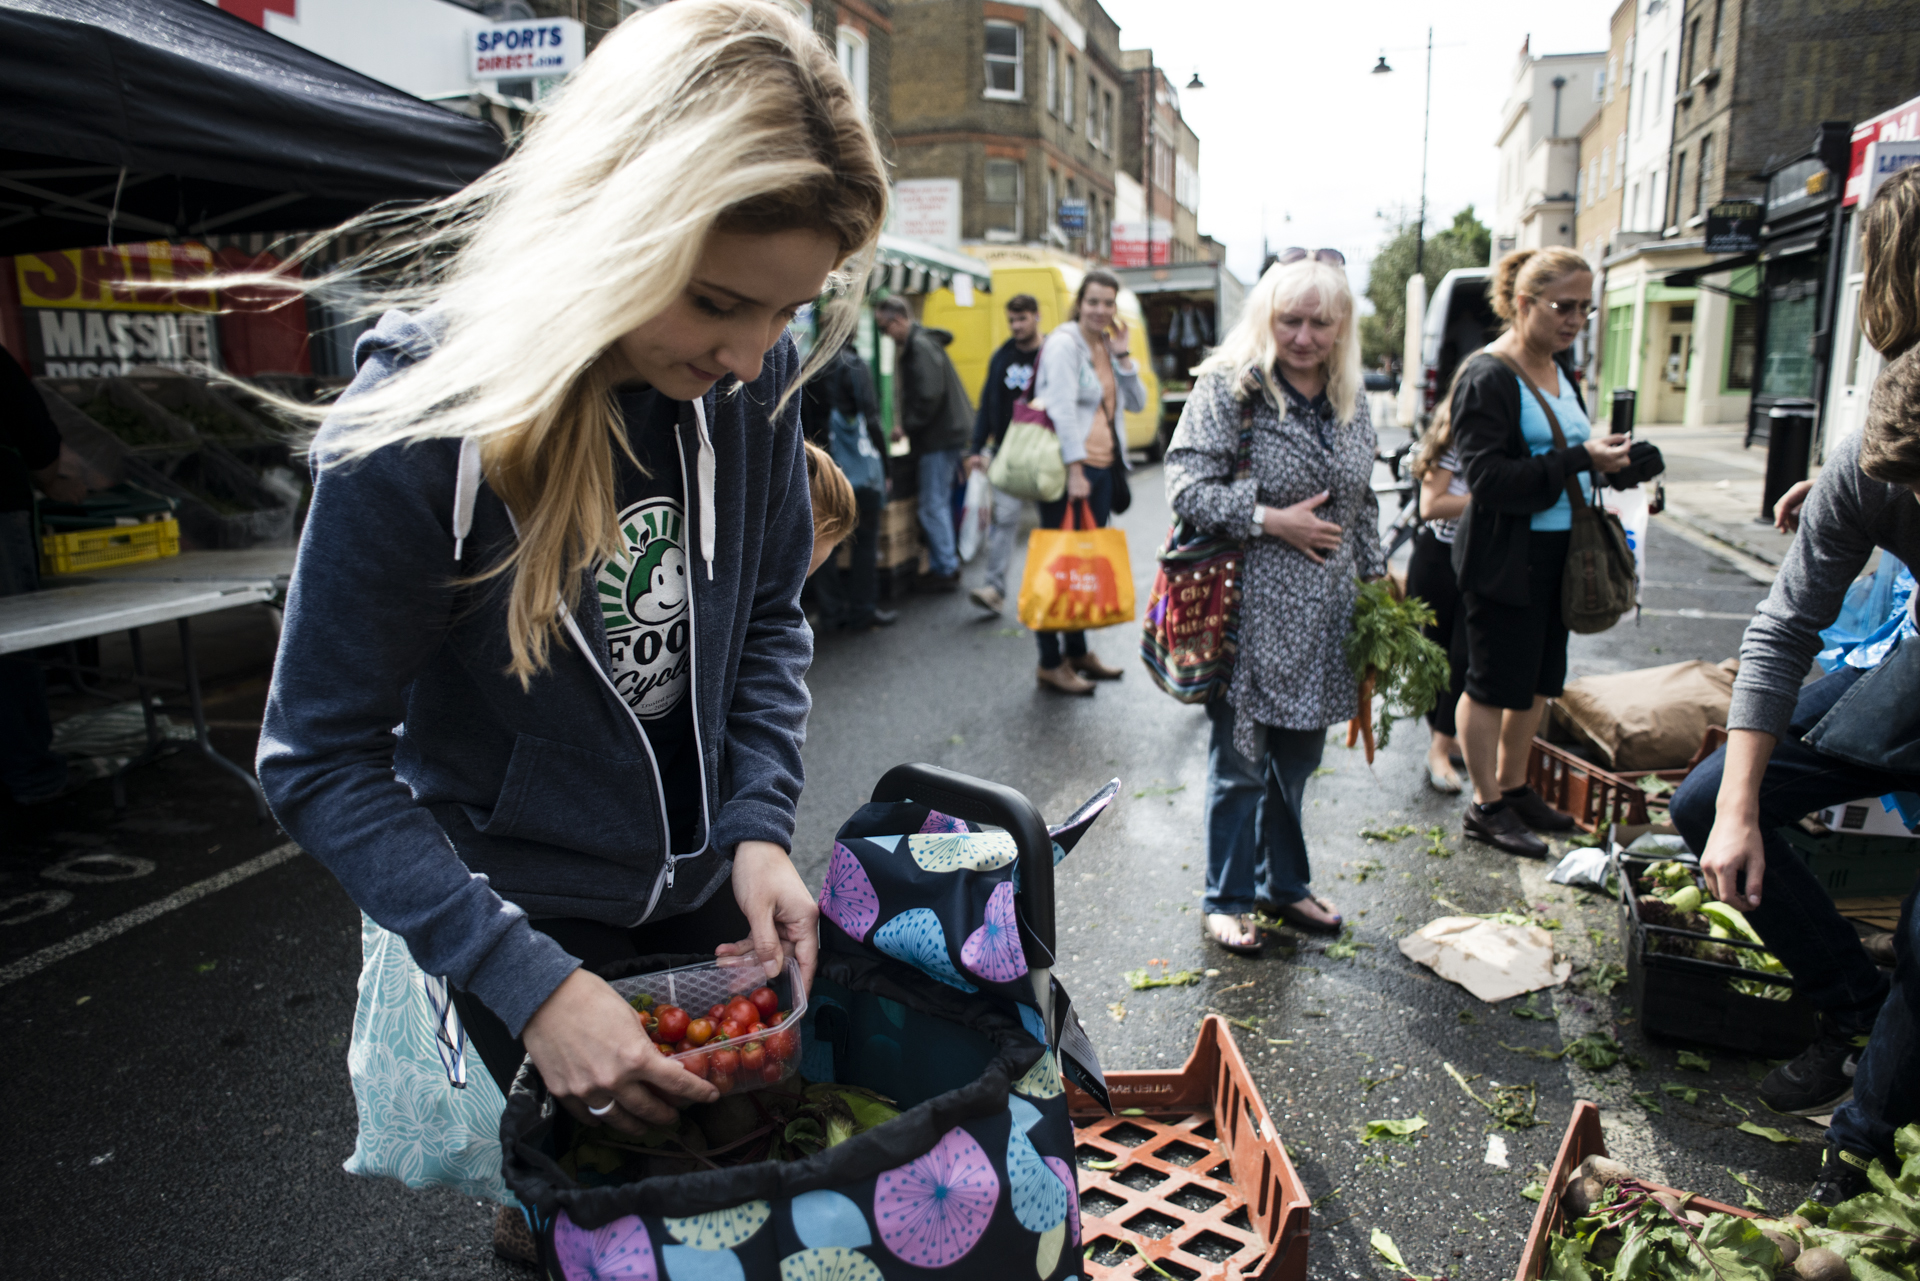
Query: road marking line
x,y
1698,613
37,961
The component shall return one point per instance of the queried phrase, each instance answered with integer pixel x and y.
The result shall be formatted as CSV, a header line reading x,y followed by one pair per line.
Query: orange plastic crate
x,y
1201,1185
1591,794
1583,1139
80,550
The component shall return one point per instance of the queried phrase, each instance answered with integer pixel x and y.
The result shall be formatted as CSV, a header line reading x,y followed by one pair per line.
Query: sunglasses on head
x,y
1332,257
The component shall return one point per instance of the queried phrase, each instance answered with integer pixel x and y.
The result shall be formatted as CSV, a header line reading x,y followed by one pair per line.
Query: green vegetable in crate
x,y
1393,660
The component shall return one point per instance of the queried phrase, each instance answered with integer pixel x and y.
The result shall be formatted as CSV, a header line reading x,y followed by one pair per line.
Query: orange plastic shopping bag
x,y
1077,578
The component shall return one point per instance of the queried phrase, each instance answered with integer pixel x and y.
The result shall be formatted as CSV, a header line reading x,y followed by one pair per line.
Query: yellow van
x,y
979,330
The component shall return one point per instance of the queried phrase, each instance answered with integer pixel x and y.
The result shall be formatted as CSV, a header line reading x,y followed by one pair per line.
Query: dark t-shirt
x,y
644,601
28,439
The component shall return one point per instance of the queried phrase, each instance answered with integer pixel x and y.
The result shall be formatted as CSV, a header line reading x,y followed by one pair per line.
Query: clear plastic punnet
x,y
735,1064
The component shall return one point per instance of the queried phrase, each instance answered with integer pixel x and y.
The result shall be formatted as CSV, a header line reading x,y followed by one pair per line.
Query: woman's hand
x,y
782,917
1299,527
590,1048
1119,338
1608,453
1786,512
1078,486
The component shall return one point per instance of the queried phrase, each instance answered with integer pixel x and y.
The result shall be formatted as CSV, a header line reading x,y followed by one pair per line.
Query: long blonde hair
x,y
1251,343
696,116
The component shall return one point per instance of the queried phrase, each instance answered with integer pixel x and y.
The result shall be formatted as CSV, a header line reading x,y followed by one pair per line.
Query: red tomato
x,y
722,1082
725,1062
696,1064
733,1029
753,1056
742,1009
673,1023
773,1072
765,1001
678,1047
718,1012
700,1031
782,1046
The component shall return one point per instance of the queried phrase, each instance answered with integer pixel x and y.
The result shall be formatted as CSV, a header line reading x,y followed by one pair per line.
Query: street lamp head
x,y
1196,82
1381,68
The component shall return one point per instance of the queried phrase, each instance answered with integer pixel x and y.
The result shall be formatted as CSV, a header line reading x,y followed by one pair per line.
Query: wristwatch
x,y
1259,520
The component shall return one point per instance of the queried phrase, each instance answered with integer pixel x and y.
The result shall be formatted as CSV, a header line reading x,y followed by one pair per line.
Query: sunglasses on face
x,y
1566,307
1332,257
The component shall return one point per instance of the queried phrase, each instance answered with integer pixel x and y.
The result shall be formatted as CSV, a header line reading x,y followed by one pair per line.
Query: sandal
x,y
1246,942
1293,915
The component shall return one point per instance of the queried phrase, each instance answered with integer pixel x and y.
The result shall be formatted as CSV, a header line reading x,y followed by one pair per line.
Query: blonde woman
x,y
1311,523
1511,546
559,528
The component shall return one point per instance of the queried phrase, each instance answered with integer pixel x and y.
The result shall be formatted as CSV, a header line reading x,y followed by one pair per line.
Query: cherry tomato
x,y
673,1023
742,1009
696,1064
773,1072
678,1047
753,1056
718,1012
725,1062
765,1001
782,1046
700,1031
733,1029
722,1082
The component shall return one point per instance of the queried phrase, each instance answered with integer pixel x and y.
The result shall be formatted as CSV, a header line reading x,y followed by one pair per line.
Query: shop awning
x,y
906,266
167,119
1689,278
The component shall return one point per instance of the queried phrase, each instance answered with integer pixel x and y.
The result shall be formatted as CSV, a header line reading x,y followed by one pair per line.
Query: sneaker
x,y
1843,1176
1503,830
1820,1078
991,599
1536,813
940,582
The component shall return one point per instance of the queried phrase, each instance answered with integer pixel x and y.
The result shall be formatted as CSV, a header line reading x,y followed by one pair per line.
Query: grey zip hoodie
x,y
452,803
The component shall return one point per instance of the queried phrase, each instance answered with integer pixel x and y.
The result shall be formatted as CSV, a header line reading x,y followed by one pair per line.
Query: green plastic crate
x,y
1853,866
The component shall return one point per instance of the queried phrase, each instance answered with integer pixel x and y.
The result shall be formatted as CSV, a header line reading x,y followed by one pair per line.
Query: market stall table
x,y
87,610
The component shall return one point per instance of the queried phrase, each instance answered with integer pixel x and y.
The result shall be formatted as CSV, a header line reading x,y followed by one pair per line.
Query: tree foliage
x,y
1467,243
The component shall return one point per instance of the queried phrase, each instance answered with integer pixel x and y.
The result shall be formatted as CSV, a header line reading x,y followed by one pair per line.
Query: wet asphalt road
x,y
180,1103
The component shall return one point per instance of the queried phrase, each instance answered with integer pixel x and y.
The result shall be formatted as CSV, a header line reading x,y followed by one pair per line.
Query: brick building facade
x,y
1756,76
1169,168
1021,103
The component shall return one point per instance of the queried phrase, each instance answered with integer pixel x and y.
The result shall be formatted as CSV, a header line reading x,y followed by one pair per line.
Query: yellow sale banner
x,y
133,277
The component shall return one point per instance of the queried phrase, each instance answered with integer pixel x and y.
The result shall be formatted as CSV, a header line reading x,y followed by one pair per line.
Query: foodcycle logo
x,y
515,50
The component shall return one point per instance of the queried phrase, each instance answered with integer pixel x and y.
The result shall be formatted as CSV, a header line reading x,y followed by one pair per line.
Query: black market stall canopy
x,y
169,119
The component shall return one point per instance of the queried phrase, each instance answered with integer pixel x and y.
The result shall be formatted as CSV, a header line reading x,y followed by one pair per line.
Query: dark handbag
x,y
1192,629
1122,491
1600,582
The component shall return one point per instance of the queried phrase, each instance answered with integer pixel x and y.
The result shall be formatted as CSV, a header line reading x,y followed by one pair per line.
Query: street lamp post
x,y
1426,129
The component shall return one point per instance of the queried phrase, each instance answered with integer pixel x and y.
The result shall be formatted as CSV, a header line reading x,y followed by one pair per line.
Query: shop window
x,y
1002,201
1003,60
1786,366
1743,334
852,48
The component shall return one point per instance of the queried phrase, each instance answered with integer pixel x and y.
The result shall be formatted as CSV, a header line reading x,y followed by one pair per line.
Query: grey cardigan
x,y
1846,516
1067,388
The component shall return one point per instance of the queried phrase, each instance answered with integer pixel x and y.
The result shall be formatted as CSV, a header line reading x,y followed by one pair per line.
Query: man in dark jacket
x,y
937,419
1009,376
844,387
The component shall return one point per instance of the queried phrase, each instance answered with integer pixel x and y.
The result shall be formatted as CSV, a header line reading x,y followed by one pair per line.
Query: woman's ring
x,y
602,1111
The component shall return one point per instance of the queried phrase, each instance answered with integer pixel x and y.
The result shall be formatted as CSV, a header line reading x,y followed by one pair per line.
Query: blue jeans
x,y
1054,516
1886,1085
937,470
1255,847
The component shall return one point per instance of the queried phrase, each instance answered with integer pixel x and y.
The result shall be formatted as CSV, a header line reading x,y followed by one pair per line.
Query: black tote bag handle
x,y
980,801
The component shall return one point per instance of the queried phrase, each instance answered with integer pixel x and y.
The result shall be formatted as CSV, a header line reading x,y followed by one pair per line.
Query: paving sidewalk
x,y
1714,486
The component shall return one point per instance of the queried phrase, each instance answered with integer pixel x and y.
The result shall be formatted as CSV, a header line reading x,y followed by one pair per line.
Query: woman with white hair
x,y
559,528
1289,372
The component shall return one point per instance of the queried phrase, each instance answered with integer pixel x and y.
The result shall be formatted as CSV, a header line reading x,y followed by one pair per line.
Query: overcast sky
x,y
1293,122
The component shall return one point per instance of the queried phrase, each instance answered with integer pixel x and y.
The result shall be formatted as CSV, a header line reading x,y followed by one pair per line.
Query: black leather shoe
x,y
1503,830
1536,813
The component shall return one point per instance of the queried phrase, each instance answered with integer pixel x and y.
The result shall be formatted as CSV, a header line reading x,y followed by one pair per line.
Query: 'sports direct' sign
x,y
538,49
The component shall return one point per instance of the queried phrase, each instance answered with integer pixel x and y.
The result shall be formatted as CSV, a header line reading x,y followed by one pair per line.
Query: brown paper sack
x,y
1650,719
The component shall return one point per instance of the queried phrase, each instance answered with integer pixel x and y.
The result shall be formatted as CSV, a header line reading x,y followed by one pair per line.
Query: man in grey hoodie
x,y
937,418
1864,1065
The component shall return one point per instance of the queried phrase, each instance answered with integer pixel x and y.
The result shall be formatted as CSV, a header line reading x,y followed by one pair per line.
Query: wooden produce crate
x,y
899,534
1201,1186
1592,794
1583,1139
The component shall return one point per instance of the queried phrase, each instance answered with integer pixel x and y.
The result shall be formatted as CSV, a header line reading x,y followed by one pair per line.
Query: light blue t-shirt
x,y
1539,437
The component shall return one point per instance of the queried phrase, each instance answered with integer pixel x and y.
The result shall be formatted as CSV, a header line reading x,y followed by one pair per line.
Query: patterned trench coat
x,y
1294,614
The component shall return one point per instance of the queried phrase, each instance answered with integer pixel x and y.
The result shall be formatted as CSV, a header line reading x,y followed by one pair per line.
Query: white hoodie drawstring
x,y
466,489
703,483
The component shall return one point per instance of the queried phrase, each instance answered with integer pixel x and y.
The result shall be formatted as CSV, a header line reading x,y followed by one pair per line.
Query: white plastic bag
x,y
976,515
423,1119
1635,513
